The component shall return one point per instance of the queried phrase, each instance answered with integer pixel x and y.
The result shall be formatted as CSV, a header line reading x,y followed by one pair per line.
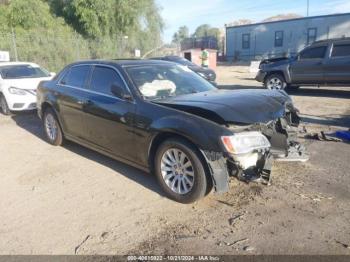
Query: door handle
x,y
85,102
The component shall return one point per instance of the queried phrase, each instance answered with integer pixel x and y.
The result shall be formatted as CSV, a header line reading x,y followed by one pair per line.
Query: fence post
x,y
14,43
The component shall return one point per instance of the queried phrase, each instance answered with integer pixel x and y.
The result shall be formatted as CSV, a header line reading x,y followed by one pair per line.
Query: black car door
x,y
337,66
308,67
71,94
109,119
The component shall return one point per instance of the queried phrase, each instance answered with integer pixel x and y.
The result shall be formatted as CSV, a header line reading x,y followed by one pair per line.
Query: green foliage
x,y
181,34
19,14
113,19
207,30
38,36
56,32
91,18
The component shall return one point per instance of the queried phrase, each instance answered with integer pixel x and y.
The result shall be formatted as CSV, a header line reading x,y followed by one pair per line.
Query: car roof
x,y
333,40
125,62
17,63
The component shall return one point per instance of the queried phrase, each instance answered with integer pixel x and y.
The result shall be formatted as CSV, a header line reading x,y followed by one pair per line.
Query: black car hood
x,y
208,73
245,106
199,69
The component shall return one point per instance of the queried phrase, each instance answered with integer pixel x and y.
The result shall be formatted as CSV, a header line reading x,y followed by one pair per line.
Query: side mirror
x,y
52,74
119,92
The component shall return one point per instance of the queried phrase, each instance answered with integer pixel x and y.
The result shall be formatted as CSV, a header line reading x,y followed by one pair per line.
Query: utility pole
x,y
14,43
307,7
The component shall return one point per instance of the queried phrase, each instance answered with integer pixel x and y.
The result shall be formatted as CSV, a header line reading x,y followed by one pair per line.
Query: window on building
x,y
76,76
341,50
245,41
313,53
103,78
278,38
311,35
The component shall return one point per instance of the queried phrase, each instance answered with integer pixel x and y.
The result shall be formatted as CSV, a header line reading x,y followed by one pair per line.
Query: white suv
x,y
18,83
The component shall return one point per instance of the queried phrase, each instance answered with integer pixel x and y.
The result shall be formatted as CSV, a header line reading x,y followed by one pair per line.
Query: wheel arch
x,y
275,72
44,106
163,136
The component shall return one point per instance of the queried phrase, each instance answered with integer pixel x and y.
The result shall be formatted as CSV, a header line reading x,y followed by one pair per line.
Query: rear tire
x,y
180,171
275,82
52,128
4,106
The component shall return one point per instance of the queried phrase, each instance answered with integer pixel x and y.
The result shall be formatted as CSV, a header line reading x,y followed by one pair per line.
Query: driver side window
x,y
313,53
103,78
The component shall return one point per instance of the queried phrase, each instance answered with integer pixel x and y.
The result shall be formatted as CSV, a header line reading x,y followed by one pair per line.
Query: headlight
x,y
17,91
245,142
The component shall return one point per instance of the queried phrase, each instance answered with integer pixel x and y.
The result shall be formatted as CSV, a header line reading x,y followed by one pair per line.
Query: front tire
x,y
52,128
4,106
275,82
180,171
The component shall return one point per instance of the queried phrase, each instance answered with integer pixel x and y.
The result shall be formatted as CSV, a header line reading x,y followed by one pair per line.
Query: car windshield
x,y
22,71
162,81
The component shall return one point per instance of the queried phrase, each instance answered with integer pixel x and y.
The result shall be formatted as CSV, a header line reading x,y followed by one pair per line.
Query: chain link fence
x,y
53,51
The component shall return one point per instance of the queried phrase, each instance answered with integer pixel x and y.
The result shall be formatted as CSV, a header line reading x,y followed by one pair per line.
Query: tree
x,y
140,20
181,34
39,36
240,22
206,30
56,32
91,18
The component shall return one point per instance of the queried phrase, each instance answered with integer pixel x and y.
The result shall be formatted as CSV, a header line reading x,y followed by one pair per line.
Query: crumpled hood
x,y
246,106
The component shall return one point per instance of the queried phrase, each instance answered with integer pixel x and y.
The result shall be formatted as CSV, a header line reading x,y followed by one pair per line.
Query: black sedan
x,y
163,118
206,73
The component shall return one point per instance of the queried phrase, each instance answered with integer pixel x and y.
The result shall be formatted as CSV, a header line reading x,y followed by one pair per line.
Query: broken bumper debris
x,y
256,165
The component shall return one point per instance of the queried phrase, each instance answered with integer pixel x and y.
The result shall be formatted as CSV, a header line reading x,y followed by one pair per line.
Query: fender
x,y
201,132
47,97
195,129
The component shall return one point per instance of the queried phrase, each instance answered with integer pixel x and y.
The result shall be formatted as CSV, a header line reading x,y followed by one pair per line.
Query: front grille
x,y
18,105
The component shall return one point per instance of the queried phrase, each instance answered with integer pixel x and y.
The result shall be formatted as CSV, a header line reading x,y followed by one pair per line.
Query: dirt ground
x,y
71,200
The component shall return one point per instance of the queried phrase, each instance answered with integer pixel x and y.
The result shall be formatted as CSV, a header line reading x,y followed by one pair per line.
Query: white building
x,y
281,38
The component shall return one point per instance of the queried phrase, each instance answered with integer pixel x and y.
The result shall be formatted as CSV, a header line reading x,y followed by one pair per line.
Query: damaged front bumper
x,y
256,166
223,167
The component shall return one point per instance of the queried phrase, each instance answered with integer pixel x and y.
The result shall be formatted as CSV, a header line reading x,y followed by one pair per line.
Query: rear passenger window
x,y
313,53
76,76
341,50
103,78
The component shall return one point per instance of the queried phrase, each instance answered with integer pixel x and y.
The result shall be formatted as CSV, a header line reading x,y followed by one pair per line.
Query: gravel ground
x,y
71,200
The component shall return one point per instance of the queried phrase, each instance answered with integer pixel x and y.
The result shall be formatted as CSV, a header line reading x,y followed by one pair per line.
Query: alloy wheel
x,y
275,83
51,127
177,171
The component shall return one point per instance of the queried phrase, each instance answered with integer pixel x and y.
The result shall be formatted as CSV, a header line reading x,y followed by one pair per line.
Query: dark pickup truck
x,y
325,62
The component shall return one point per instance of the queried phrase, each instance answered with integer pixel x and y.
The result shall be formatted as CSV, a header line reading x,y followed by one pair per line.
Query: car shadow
x,y
303,91
320,92
343,121
30,122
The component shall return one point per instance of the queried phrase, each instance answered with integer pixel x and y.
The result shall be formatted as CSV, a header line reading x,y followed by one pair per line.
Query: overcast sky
x,y
218,12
